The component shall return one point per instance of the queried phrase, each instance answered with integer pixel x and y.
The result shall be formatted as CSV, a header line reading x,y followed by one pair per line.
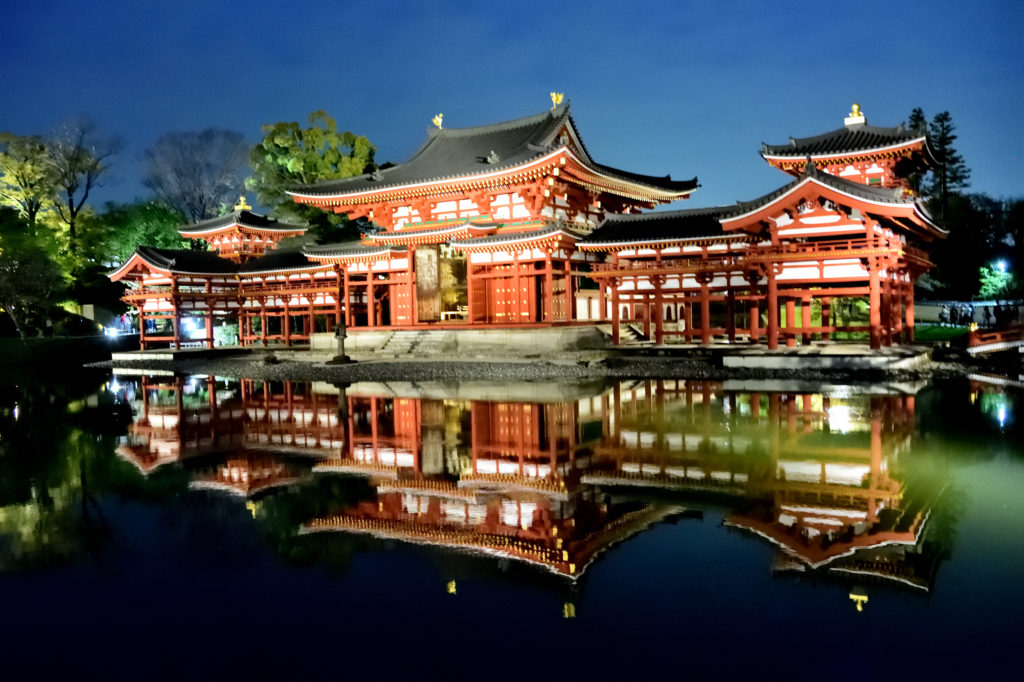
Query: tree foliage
x,y
195,173
30,280
126,226
28,182
289,155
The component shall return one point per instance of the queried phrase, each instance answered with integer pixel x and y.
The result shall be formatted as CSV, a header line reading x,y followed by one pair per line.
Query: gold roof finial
x,y
437,120
556,98
855,115
241,205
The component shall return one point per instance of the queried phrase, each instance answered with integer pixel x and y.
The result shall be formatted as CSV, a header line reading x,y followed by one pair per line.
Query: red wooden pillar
x,y
909,304
874,304
371,309
826,317
886,310
688,318
730,310
773,310
263,318
790,322
471,302
570,292
614,290
517,301
806,320
705,310
414,303
659,313
175,322
549,290
209,314
286,322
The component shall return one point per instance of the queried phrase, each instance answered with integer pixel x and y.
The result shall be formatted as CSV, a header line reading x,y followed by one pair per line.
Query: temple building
x,y
515,224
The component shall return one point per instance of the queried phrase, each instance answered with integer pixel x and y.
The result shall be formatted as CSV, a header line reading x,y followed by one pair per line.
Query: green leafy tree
x,y
996,281
27,179
124,227
197,173
289,155
30,280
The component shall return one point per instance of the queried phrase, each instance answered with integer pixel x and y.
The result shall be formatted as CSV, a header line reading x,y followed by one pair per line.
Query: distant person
x,y
944,315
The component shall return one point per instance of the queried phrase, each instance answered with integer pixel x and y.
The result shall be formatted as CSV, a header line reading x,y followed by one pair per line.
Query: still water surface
x,y
170,526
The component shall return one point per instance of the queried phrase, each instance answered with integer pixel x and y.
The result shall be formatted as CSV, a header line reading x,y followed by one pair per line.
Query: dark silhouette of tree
x,y
953,174
78,155
196,173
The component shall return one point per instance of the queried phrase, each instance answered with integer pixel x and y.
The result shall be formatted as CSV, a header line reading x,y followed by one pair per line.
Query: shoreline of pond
x,y
272,366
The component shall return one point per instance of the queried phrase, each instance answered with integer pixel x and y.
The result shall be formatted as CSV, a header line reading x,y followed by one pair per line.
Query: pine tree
x,y
953,174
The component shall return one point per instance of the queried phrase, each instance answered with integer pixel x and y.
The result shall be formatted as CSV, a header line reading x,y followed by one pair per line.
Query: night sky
x,y
680,88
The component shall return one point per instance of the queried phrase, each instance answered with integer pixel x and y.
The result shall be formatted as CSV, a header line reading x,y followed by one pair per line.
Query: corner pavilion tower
x,y
846,227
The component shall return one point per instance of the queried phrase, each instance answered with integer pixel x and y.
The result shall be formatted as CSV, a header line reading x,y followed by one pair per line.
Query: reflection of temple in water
x,y
556,483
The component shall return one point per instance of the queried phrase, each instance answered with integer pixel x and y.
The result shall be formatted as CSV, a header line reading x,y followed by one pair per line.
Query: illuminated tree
x,y
27,179
288,156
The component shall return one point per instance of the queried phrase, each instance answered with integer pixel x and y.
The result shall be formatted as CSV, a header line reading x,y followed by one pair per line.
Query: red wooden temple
x,y
510,223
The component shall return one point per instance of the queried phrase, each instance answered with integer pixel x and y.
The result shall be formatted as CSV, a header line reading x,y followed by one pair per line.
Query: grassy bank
x,y
57,352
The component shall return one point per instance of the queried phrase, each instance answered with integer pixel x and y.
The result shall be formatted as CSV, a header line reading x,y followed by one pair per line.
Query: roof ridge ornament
x,y
242,205
438,120
855,117
493,157
556,99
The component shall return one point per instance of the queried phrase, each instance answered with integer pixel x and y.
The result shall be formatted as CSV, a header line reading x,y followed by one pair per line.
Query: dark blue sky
x,y
687,88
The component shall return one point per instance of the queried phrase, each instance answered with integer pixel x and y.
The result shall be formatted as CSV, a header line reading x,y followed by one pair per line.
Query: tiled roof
x,y
275,261
351,248
241,217
848,139
187,261
515,236
459,152
696,223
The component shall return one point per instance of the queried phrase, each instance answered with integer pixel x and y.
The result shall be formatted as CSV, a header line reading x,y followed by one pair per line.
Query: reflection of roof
x,y
461,152
242,218
846,140
569,562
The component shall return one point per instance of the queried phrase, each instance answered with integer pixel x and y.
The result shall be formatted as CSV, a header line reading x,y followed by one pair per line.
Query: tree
x,y
29,278
78,156
27,179
289,155
996,281
919,124
126,226
953,174
195,173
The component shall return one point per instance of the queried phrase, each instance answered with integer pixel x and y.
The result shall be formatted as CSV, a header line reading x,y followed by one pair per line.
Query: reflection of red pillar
x,y
755,406
876,463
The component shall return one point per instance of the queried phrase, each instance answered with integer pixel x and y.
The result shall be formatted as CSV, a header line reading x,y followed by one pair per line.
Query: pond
x,y
166,525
